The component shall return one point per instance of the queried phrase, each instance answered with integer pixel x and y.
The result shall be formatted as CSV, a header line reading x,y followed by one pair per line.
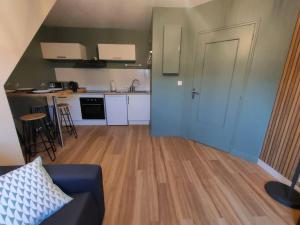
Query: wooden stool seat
x,y
33,116
62,105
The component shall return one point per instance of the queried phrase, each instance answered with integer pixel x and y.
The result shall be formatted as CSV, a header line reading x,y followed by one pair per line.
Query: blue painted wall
x,y
171,104
167,97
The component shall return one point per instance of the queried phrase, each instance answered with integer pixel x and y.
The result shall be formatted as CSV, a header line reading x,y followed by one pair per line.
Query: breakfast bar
x,y
52,100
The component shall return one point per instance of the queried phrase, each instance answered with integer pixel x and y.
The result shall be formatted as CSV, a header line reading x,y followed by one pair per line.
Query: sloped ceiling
x,y
19,22
126,14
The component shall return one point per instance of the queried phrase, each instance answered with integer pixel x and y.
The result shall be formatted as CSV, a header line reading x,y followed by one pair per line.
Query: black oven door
x,y
92,108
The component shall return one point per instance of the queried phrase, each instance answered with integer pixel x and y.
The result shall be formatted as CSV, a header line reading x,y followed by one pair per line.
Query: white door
x,y
116,109
139,109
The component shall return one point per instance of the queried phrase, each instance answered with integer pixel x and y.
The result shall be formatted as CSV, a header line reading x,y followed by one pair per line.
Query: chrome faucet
x,y
134,84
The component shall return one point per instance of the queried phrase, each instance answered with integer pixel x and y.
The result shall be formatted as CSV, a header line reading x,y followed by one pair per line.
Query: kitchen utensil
x,y
112,86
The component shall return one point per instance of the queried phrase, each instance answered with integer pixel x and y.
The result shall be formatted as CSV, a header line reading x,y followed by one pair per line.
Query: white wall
x,y
99,79
19,21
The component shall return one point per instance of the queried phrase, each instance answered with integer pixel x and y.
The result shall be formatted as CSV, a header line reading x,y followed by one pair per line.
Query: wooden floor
x,y
172,181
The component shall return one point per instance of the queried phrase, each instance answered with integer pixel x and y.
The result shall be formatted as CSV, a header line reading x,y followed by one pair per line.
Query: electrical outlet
x,y
179,83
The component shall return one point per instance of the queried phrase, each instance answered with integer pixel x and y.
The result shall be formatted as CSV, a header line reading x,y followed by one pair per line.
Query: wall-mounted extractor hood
x,y
90,64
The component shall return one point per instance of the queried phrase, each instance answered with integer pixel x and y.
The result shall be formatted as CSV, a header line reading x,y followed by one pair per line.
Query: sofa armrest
x,y
74,179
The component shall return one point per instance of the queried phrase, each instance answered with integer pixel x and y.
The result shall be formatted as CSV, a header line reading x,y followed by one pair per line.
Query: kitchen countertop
x,y
64,93
115,93
67,93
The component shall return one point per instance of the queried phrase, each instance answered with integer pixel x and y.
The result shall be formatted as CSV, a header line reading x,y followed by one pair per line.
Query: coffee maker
x,y
73,86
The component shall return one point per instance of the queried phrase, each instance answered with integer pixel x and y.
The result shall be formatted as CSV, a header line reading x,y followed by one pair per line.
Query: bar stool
x,y
50,125
66,118
34,127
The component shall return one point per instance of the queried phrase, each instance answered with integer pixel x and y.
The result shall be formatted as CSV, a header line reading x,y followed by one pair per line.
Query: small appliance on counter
x,y
64,85
59,84
113,86
73,86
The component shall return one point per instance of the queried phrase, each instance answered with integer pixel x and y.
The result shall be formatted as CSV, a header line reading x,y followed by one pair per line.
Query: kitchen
x,y
117,104
110,82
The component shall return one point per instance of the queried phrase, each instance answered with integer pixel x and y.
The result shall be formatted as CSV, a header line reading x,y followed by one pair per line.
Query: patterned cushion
x,y
28,195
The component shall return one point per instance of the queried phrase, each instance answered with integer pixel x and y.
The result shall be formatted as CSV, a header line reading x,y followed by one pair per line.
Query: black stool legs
x,y
34,130
66,119
27,137
47,140
50,125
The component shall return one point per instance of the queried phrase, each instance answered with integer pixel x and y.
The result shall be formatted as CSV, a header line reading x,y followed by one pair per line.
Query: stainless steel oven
x,y
92,108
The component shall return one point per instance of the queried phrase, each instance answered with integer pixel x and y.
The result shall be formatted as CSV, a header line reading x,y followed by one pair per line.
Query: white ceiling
x,y
126,14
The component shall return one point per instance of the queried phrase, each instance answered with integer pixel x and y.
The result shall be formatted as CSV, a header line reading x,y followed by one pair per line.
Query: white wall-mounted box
x,y
63,51
117,52
171,49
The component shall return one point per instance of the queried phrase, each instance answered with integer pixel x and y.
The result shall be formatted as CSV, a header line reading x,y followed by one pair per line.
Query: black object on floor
x,y
286,195
283,194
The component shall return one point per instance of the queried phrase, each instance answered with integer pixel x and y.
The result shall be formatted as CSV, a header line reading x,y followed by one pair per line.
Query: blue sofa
x,y
84,184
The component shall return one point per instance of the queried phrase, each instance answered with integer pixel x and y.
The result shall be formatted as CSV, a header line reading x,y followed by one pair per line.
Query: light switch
x,y
179,83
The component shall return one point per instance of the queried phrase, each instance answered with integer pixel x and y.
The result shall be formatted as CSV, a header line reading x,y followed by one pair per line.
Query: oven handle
x,y
91,104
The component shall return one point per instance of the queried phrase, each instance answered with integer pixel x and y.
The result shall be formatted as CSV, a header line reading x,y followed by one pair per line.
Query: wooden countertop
x,y
67,93
64,93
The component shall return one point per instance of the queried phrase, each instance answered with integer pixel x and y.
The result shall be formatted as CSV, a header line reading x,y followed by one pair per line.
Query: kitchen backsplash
x,y
99,79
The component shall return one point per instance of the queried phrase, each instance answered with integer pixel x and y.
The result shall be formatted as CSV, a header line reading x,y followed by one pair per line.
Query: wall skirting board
x,y
89,122
268,169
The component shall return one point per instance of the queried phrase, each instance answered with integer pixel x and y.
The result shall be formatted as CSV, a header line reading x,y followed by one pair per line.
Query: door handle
x,y
194,93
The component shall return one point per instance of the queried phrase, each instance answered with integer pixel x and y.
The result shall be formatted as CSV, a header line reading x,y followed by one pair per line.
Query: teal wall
x,y
171,104
167,97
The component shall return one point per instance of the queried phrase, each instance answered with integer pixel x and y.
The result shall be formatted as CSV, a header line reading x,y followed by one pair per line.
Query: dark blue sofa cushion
x,y
75,180
82,210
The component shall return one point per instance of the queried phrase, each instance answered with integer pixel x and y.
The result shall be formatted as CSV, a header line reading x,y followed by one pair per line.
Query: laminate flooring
x,y
173,181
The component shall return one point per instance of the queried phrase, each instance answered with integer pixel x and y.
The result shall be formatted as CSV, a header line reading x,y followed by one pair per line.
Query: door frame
x,y
256,24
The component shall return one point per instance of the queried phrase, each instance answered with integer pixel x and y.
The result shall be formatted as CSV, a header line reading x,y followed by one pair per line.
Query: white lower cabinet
x,y
74,106
121,109
116,109
138,108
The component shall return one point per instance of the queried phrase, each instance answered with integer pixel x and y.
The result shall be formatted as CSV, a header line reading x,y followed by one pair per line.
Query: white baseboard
x,y
138,122
275,174
89,122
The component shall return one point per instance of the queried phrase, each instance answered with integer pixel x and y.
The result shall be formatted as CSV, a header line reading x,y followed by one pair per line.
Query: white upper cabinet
x,y
63,51
117,52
